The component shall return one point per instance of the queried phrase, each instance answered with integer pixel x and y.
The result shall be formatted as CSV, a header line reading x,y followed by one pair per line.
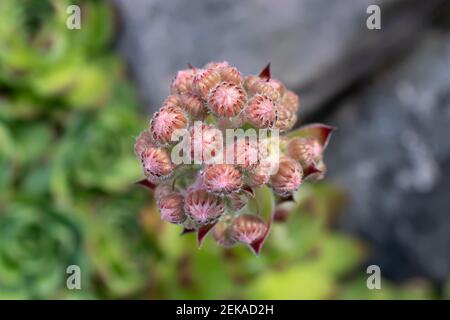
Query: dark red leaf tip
x,y
265,73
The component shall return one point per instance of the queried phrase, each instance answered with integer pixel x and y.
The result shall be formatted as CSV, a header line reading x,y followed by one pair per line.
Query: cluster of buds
x,y
205,183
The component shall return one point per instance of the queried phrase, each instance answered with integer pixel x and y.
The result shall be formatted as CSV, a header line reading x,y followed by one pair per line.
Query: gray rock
x,y
317,47
392,153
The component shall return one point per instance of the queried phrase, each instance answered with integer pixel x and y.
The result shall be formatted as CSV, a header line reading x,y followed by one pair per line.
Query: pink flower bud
x,y
172,101
193,105
222,178
256,85
222,233
165,122
203,207
171,207
290,101
231,75
305,150
143,142
288,178
204,81
183,82
277,85
261,111
248,228
260,175
285,118
157,164
226,100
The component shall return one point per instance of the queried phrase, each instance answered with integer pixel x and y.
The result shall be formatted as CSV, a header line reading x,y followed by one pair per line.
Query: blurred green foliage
x,y
68,120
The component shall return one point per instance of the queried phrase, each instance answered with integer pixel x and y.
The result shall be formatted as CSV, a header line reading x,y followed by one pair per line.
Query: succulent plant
x,y
223,182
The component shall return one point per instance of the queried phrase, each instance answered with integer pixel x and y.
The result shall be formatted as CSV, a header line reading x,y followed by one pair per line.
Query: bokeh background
x,y
73,101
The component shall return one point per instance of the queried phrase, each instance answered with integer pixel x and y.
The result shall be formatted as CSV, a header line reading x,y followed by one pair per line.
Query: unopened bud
x,y
157,164
290,101
193,105
305,150
171,207
183,81
165,122
248,228
143,142
204,81
256,85
222,178
227,100
203,207
261,111
288,178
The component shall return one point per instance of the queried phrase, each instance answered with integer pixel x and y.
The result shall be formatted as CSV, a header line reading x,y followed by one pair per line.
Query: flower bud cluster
x,y
204,194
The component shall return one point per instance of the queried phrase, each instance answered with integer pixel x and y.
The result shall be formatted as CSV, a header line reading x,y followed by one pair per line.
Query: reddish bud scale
x,y
285,118
172,101
222,178
143,142
305,150
227,99
288,178
171,207
231,75
203,207
204,81
157,164
261,111
165,122
290,101
183,82
256,85
259,175
193,105
248,228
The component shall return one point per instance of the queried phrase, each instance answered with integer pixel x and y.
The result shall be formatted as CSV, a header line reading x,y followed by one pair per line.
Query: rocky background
x,y
387,91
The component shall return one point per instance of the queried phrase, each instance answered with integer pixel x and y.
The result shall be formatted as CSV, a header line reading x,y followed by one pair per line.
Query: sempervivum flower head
x,y
202,206
288,178
171,207
208,181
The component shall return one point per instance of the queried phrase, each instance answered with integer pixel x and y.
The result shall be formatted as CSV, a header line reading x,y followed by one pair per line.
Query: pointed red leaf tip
x,y
145,183
309,171
203,232
257,245
186,231
249,191
265,73
319,131
190,66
